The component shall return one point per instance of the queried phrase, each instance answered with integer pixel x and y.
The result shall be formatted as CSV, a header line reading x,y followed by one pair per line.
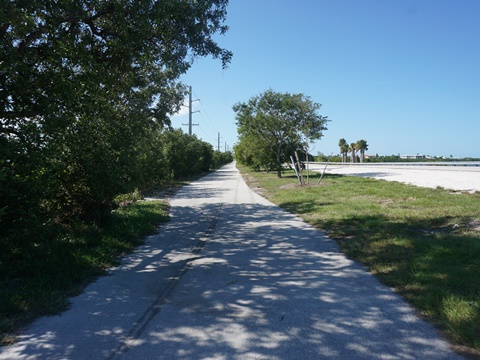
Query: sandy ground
x,y
457,178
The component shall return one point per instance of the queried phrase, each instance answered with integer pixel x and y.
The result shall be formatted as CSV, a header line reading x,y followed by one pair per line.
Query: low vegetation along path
x,y
233,276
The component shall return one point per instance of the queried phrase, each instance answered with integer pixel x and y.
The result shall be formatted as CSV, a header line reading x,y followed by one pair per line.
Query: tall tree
x,y
345,151
57,54
83,84
341,143
362,146
352,149
280,121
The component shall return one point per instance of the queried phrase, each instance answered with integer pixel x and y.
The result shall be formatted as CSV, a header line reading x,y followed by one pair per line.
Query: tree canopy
x,y
86,89
60,58
272,125
362,146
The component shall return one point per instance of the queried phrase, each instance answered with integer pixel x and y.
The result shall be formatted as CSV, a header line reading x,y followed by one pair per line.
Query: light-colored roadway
x,y
233,277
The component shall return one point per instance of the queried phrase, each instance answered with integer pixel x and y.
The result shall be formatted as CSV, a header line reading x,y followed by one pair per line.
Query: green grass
x,y
421,242
40,281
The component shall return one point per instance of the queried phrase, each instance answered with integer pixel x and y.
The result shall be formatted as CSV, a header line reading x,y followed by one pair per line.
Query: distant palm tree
x,y
341,144
351,149
344,151
362,146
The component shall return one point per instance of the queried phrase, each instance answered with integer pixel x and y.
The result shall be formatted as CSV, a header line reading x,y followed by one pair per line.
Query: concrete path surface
x,y
232,276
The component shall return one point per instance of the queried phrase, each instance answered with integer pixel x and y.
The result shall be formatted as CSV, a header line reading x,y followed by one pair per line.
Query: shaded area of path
x,y
234,277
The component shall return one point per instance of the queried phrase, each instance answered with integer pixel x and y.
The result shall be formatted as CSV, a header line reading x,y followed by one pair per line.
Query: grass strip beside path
x,y
424,243
46,275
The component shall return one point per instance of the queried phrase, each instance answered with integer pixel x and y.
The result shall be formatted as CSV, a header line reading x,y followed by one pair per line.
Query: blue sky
x,y
402,74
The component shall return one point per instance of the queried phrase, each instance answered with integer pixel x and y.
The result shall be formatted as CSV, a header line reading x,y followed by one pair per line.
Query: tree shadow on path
x,y
235,279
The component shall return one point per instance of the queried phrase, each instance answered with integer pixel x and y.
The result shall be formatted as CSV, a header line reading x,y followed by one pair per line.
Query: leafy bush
x,y
82,115
187,155
221,158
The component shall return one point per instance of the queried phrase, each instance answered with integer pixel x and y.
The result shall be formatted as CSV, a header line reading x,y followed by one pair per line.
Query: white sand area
x,y
457,178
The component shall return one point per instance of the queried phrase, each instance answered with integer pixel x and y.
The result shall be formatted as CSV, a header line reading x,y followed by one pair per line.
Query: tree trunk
x,y
279,162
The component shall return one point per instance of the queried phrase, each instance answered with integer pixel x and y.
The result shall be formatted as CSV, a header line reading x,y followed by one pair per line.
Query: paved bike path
x,y
233,276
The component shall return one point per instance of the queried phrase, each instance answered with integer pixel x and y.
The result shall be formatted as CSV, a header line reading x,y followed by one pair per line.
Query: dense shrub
x,y
85,97
90,178
221,158
186,154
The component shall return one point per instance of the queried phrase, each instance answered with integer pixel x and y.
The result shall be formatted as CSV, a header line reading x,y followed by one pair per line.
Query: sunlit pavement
x,y
233,277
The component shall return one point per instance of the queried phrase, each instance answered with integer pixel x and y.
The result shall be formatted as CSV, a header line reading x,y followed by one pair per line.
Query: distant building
x,y
412,157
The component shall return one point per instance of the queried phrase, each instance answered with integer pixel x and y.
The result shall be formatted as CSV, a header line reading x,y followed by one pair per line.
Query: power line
x,y
204,111
204,114
207,123
211,139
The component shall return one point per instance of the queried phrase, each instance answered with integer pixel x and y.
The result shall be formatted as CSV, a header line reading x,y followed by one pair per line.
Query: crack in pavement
x,y
141,324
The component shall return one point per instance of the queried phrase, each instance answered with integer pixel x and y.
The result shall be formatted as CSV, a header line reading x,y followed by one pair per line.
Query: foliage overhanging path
x,y
234,276
86,92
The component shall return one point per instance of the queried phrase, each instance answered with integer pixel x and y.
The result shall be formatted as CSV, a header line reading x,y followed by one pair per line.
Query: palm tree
x,y
344,150
352,148
341,144
362,146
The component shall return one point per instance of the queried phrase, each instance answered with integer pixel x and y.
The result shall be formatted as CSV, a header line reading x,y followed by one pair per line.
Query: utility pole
x,y
218,146
190,112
